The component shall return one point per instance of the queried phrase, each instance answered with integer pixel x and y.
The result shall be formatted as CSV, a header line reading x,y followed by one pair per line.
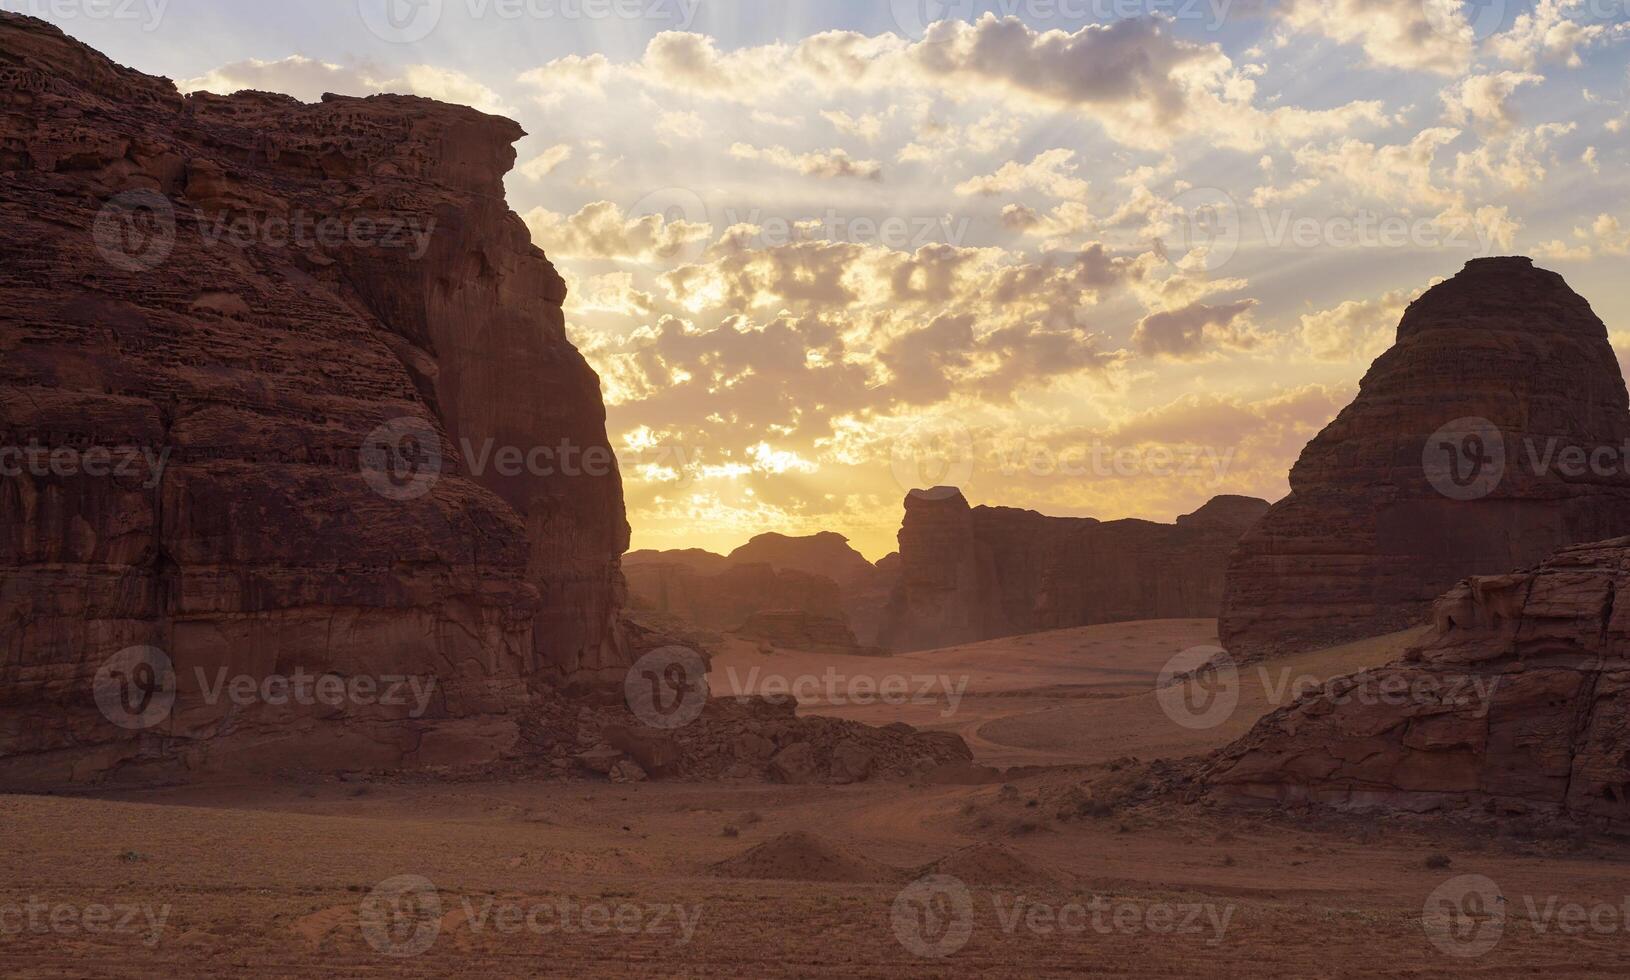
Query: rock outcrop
x,y
825,554
1495,431
978,573
760,738
724,601
794,630
1519,702
306,336
818,574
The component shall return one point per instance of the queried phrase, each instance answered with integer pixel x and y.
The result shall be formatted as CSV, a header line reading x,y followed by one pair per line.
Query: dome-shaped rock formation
x,y
1495,431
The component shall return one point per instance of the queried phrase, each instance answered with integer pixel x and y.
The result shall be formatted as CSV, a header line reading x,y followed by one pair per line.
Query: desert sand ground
x,y
749,880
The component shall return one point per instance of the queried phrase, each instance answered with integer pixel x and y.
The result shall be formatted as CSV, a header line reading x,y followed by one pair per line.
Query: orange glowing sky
x,y
1105,262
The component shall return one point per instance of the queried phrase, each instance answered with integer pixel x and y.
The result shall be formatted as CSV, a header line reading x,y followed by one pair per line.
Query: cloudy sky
x,y
1089,257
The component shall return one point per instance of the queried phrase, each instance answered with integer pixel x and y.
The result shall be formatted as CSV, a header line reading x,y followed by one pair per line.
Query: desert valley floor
x,y
805,880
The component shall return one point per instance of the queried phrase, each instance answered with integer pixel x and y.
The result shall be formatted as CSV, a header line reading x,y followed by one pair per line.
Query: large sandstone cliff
x,y
977,573
247,289
1519,701
1456,459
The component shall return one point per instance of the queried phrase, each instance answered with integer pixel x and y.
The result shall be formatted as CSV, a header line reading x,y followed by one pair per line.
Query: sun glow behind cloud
x,y
798,236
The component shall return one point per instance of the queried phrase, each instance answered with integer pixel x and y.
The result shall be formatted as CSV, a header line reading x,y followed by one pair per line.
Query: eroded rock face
x,y
302,276
726,600
1518,702
796,630
819,574
978,573
1456,459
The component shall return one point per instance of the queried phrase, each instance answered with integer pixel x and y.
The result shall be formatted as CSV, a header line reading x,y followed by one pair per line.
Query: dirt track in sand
x,y
277,880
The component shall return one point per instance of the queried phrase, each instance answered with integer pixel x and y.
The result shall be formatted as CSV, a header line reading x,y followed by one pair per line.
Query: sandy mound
x,y
988,864
802,856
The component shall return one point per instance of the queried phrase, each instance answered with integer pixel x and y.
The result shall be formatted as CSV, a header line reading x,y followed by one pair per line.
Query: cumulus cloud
x,y
1486,99
1051,173
867,126
1356,330
822,163
938,139
601,231
1135,77
545,163
1604,236
1195,329
576,75
1549,32
1421,35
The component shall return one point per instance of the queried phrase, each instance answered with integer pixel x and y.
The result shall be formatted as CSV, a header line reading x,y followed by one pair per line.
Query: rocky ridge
x,y
978,573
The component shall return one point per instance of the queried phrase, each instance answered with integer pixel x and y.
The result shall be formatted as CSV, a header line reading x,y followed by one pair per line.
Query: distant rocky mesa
x,y
1459,457
254,366
809,590
979,573
1518,703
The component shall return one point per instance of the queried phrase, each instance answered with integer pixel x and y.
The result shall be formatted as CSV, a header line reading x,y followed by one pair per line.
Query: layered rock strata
x,y
305,336
977,573
1517,703
1495,431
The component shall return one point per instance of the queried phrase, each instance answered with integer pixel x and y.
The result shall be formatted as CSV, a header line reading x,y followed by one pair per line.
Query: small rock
x,y
627,771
